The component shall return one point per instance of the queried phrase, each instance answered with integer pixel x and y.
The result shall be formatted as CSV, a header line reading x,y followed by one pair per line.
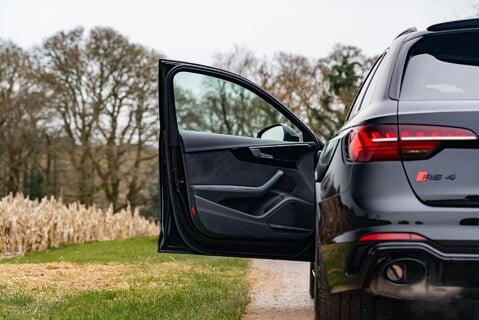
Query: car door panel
x,y
222,192
234,195
231,202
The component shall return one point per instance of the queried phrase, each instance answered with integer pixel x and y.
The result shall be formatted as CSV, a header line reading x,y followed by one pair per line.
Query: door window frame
x,y
308,135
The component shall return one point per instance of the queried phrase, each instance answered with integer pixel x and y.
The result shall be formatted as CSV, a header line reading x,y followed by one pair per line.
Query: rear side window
x,y
443,67
365,93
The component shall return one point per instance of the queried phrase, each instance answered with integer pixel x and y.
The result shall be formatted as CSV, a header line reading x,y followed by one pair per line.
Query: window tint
x,y
209,104
374,83
358,101
443,68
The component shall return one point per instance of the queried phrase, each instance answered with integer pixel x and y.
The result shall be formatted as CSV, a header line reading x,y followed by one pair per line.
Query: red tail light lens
x,y
373,143
419,142
381,142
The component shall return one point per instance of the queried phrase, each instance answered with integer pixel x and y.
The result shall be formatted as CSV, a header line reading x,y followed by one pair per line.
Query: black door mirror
x,y
278,132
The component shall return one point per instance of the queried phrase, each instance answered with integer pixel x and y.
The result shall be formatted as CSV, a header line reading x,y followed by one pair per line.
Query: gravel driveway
x,y
279,290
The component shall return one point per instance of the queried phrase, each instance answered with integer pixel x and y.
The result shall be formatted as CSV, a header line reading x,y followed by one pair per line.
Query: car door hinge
x,y
176,178
179,184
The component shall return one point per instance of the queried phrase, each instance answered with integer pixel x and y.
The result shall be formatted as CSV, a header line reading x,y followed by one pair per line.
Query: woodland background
x,y
79,112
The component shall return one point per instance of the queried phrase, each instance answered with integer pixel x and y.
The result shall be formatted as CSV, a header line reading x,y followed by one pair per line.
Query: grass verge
x,y
121,279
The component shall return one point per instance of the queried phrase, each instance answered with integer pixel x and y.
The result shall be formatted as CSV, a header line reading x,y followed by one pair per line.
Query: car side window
x,y
364,89
210,104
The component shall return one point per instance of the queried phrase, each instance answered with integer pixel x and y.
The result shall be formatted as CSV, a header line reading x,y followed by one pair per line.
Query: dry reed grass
x,y
27,225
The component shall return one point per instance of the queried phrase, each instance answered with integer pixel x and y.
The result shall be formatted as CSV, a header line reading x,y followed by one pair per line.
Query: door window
x,y
210,104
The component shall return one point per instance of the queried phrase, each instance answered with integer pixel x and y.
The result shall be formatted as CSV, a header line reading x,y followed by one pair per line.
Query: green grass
x,y
159,286
131,250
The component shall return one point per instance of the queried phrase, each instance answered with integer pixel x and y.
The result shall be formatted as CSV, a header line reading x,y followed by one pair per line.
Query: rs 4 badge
x,y
423,176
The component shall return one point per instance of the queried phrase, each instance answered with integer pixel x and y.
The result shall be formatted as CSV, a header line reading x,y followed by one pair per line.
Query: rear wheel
x,y
355,305
349,305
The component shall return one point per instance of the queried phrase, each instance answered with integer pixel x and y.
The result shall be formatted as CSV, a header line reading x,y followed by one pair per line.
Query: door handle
x,y
259,154
219,192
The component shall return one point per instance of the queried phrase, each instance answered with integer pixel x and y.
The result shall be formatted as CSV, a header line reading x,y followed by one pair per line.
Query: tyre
x,y
349,305
354,305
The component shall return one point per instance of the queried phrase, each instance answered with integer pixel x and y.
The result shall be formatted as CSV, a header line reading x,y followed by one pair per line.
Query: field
x,y
27,225
54,267
121,279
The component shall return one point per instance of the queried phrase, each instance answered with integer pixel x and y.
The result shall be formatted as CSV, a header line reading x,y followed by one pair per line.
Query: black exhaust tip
x,y
404,271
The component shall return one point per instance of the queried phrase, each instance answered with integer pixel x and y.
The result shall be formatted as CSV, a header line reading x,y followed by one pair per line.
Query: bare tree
x,y
296,81
103,89
319,91
240,60
21,114
63,71
126,91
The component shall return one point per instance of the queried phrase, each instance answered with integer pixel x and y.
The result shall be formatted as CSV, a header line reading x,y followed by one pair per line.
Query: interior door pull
x,y
218,192
259,154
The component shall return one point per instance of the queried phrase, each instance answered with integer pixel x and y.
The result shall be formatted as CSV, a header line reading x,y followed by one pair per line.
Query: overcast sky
x,y
194,30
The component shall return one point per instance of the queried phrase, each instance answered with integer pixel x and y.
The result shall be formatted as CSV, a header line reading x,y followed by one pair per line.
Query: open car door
x,y
236,168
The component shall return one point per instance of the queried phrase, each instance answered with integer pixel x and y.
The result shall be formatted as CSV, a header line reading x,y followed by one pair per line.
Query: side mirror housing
x,y
279,132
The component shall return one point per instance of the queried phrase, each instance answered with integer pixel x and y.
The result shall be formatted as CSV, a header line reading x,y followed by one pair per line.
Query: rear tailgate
x,y
441,89
450,176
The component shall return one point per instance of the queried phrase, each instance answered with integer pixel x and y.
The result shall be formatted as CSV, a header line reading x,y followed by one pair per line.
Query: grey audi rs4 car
x,y
386,211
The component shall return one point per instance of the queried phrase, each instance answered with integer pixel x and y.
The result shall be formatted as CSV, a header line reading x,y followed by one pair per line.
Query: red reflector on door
x,y
193,210
392,237
421,176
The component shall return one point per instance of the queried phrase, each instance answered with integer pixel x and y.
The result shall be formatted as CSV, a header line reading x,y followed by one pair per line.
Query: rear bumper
x,y
355,200
435,275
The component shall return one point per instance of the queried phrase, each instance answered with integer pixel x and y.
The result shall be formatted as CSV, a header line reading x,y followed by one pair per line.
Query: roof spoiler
x,y
453,25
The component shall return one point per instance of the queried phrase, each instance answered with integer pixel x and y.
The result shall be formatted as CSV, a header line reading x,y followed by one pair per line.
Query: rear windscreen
x,y
443,67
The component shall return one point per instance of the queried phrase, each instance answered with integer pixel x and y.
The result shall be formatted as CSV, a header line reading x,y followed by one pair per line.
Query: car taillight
x,y
381,143
373,143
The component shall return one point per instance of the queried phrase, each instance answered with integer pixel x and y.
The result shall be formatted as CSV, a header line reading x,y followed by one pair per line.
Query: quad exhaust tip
x,y
404,271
